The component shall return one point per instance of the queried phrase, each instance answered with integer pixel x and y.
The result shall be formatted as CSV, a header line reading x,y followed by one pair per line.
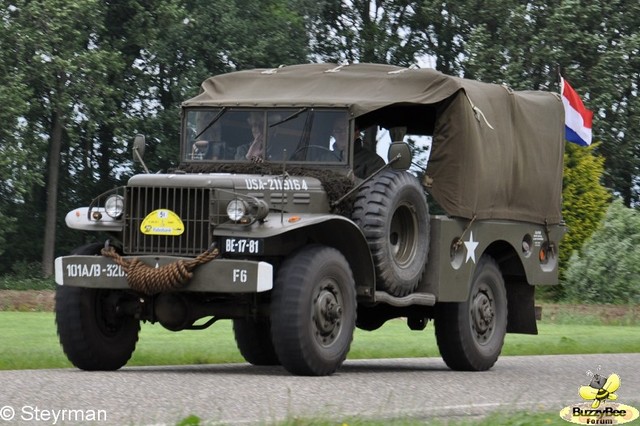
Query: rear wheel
x,y
313,311
93,335
470,335
253,337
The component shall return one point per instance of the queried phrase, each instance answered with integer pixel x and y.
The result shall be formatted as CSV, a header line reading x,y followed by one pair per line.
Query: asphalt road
x,y
420,388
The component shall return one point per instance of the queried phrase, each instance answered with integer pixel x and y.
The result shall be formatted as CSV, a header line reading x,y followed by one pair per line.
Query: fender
x,y
514,245
286,233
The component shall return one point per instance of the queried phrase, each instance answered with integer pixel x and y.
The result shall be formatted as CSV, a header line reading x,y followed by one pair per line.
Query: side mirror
x,y
138,151
399,156
138,147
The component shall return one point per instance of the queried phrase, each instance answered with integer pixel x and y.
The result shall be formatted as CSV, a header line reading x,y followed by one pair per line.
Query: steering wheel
x,y
319,147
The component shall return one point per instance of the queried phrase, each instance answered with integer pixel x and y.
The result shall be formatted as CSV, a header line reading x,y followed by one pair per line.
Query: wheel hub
x,y
402,234
327,313
483,315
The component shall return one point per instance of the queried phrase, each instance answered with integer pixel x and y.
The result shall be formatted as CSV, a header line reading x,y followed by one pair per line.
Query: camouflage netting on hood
x,y
335,184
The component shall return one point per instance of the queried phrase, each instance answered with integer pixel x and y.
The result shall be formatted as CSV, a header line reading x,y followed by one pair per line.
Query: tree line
x,y
79,79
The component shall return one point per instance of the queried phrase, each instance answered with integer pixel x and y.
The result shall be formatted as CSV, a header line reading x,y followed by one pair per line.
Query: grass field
x,y
29,341
495,419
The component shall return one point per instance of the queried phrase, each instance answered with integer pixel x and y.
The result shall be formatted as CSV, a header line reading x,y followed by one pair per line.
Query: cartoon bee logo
x,y
600,389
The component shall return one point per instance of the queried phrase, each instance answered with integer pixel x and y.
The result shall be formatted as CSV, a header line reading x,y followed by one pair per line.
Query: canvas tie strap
x,y
459,243
478,112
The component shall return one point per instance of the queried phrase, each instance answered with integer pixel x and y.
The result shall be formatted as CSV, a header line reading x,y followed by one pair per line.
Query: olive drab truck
x,y
269,221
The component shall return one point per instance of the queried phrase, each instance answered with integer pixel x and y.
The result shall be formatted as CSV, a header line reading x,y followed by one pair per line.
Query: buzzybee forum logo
x,y
600,408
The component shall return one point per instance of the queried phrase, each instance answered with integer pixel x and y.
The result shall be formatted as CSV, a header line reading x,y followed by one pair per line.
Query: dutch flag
x,y
577,119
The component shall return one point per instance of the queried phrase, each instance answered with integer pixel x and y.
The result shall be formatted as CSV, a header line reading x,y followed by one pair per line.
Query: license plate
x,y
243,245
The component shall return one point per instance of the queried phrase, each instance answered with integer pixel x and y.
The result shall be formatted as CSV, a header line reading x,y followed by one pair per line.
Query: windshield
x,y
243,135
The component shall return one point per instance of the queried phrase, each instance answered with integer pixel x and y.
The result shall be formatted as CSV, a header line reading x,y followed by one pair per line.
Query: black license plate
x,y
243,245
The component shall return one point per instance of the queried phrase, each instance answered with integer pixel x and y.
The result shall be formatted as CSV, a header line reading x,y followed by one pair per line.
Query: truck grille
x,y
192,205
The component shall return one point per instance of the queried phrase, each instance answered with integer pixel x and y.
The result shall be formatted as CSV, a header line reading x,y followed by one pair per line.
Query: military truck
x,y
272,219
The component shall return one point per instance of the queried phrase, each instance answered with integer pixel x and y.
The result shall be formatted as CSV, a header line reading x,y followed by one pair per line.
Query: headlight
x,y
114,206
236,210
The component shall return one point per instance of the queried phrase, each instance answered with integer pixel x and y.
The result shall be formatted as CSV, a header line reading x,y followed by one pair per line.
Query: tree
x,y
607,268
584,202
498,54
447,29
261,34
379,31
60,61
17,169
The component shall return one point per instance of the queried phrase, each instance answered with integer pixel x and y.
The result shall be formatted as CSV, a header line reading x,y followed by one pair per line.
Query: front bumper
x,y
217,276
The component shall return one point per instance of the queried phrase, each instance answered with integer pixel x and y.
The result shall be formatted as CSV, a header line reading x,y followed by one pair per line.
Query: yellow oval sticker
x,y
162,222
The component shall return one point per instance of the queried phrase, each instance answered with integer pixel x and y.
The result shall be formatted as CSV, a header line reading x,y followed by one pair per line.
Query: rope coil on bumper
x,y
151,280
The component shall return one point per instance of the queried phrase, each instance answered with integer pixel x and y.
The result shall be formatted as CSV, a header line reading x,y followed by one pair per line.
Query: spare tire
x,y
392,212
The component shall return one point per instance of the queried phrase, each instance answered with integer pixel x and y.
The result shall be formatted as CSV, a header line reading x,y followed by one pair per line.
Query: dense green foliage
x,y
584,204
607,269
79,79
584,199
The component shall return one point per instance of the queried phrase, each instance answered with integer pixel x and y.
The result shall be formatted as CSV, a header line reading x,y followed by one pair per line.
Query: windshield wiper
x,y
212,122
303,142
291,117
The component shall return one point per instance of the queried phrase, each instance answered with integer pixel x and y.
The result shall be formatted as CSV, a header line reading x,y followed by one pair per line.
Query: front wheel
x,y
253,337
93,335
470,334
313,311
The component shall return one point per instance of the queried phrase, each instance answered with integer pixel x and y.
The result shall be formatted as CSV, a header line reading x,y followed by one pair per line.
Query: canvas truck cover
x,y
496,154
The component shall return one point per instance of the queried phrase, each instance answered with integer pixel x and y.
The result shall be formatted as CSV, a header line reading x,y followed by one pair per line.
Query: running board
x,y
425,299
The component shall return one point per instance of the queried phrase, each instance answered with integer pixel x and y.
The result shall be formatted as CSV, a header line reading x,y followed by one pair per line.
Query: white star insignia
x,y
471,249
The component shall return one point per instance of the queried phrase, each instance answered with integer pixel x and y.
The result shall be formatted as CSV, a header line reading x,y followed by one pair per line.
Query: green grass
x,y
29,341
522,418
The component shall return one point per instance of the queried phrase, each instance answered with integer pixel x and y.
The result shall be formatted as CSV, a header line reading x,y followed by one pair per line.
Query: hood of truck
x,y
233,182
299,194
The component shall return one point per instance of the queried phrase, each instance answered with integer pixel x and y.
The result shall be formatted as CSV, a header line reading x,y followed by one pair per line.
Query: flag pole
x,y
559,70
